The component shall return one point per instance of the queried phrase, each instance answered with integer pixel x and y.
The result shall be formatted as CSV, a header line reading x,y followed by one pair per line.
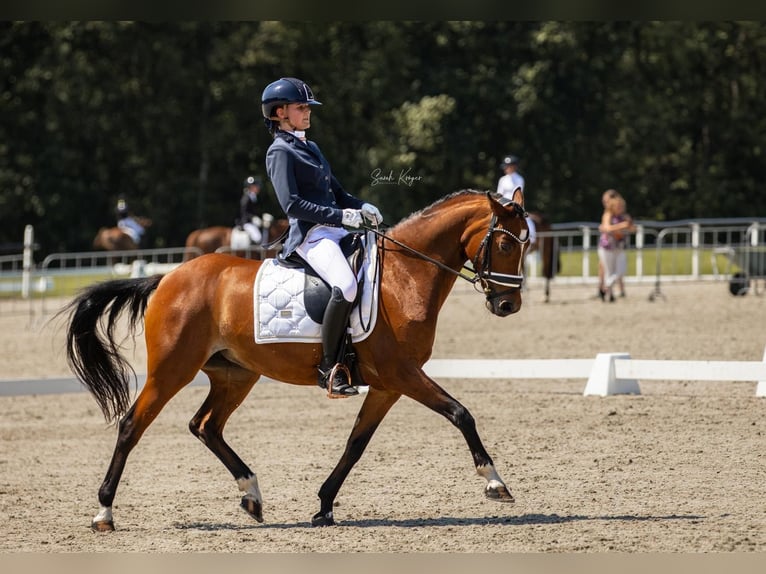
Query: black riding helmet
x,y
252,180
510,159
286,91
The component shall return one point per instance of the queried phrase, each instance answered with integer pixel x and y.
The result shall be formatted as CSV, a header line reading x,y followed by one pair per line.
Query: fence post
x,y
29,237
585,252
760,390
695,250
639,251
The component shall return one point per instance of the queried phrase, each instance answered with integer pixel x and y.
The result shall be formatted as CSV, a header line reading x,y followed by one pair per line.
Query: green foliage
x,y
167,114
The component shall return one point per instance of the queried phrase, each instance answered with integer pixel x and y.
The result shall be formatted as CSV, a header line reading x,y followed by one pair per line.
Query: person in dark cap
x,y
249,218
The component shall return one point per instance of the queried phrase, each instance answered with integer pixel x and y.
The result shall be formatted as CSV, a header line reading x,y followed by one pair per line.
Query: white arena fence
x,y
669,251
24,283
607,374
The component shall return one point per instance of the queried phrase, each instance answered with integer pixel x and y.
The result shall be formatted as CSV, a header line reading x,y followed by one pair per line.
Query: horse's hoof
x,y
252,507
320,519
102,526
499,493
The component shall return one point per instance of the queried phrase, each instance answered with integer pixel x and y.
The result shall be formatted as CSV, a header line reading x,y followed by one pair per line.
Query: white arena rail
x,y
607,374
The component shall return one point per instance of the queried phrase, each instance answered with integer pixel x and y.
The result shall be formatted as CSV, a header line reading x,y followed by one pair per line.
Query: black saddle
x,y
316,292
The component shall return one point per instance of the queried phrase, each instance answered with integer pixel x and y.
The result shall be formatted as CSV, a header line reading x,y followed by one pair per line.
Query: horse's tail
x,y
91,349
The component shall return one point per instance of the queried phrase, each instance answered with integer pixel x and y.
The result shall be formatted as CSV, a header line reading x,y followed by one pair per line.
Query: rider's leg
x,y
334,326
321,250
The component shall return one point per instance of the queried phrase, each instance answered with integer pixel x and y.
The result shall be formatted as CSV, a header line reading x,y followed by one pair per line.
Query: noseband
x,y
482,262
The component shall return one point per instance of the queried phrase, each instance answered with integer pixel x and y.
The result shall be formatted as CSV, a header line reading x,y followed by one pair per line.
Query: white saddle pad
x,y
279,311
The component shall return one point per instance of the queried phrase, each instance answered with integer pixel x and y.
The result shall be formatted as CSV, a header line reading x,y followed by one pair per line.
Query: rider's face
x,y
297,116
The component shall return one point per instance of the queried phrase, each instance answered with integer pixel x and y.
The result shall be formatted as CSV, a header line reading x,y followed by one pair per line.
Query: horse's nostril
x,y
505,306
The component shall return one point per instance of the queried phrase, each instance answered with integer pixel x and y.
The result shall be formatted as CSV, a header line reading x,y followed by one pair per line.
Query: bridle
x,y
481,273
482,261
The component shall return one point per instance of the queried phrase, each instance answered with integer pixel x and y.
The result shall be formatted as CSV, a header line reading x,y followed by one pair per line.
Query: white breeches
x,y
532,231
253,231
321,250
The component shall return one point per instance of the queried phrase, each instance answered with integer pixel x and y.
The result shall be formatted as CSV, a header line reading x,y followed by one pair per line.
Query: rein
x,y
421,255
483,273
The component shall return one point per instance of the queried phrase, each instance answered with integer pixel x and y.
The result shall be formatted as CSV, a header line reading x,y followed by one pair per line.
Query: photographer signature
x,y
404,178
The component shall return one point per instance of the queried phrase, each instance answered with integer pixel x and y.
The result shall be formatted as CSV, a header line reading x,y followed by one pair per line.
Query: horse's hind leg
x,y
229,385
150,402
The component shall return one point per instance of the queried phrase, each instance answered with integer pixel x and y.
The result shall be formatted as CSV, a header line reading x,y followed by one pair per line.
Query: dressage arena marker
x,y
607,374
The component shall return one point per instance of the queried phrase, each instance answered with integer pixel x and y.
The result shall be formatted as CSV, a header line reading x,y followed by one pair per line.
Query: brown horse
x,y
115,239
210,239
547,247
200,317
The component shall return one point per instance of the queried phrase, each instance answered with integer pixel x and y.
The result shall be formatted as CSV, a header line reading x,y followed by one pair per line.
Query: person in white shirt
x,y
508,184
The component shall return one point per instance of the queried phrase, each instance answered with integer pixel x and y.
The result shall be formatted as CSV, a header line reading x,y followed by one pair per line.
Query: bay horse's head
x,y
499,259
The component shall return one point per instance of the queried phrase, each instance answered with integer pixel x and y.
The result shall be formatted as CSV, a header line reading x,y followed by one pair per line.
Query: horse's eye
x,y
505,246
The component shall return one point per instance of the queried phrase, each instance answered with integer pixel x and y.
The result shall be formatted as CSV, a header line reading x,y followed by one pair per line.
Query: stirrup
x,y
339,391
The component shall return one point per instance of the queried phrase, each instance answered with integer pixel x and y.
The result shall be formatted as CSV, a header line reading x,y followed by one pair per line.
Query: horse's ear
x,y
518,196
494,202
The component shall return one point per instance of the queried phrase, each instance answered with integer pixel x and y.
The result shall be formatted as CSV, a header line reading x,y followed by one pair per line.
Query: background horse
x,y
548,249
200,317
115,239
209,239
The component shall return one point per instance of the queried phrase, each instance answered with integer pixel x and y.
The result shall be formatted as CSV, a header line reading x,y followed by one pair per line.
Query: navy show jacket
x,y
306,188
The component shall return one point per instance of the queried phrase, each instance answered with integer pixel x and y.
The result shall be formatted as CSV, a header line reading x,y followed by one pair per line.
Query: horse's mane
x,y
440,202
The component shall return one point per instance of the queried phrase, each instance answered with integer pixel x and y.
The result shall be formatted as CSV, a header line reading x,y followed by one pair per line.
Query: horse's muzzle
x,y
503,307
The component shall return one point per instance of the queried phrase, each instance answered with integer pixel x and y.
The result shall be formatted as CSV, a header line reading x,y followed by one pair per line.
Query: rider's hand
x,y
372,214
352,217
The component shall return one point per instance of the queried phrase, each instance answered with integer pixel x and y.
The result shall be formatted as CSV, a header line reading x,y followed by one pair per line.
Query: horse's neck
x,y
439,238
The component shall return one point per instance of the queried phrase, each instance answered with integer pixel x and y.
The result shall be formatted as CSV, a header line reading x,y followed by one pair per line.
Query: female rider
x,y
317,208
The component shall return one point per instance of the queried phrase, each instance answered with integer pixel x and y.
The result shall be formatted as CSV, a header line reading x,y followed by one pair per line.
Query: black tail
x,y
92,353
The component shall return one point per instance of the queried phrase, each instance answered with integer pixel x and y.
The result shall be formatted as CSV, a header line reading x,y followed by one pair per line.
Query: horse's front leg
x,y
428,393
376,405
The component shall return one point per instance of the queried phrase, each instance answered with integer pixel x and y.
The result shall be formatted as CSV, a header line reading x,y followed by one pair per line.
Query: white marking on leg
x,y
104,515
490,475
250,487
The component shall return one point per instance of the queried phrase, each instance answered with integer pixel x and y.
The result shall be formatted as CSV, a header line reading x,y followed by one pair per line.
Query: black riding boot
x,y
334,326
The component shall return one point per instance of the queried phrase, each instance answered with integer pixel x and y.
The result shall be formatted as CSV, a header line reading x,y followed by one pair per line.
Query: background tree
x,y
168,115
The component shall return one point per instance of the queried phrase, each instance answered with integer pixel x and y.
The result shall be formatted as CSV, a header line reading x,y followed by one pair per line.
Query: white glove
x,y
372,213
352,218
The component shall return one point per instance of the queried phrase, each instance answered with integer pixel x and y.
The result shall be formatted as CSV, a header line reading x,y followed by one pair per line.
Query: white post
x,y
585,252
639,251
760,390
695,250
29,237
